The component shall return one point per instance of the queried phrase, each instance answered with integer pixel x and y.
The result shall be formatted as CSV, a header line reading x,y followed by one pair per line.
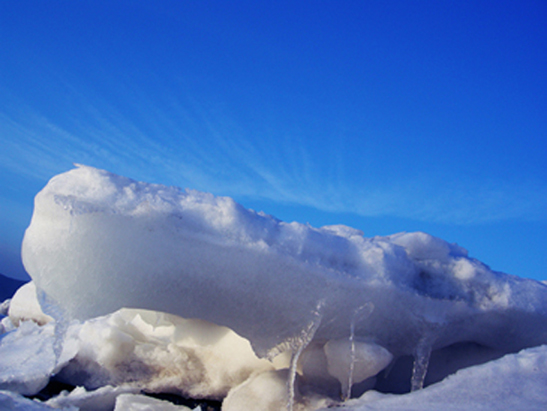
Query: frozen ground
x,y
146,288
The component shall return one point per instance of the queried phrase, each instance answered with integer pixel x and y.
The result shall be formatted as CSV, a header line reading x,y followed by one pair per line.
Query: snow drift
x,y
344,306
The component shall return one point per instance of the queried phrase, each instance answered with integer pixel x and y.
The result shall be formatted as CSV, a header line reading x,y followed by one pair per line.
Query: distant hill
x,y
8,286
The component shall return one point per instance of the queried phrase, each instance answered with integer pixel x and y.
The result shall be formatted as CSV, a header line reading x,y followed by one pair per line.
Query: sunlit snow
x,y
148,288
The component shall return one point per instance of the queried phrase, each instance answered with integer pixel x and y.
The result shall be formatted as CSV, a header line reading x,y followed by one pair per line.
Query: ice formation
x,y
514,382
98,242
24,306
27,359
134,402
181,291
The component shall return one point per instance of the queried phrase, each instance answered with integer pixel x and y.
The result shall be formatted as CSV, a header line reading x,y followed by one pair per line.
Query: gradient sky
x,y
384,115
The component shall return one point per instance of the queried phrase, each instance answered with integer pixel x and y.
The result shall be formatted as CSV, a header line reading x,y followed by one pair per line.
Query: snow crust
x,y
135,402
27,359
158,289
99,242
157,352
11,401
24,306
101,399
514,382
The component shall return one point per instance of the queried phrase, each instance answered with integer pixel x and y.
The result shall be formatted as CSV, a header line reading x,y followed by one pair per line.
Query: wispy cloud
x,y
186,143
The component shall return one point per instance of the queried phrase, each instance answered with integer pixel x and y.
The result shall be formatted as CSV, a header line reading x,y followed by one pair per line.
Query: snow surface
x,y
514,382
24,306
158,289
134,402
10,401
27,358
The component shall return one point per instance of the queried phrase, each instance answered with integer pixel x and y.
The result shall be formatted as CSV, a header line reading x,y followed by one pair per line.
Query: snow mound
x,y
342,306
25,306
514,382
136,349
158,352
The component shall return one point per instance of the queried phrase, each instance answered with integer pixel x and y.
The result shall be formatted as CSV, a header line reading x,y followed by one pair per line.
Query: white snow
x,y
27,359
142,349
24,306
102,399
11,401
514,382
268,391
157,289
159,353
134,402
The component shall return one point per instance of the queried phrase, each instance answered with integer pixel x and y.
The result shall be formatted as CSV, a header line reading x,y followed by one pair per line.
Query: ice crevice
x,y
167,278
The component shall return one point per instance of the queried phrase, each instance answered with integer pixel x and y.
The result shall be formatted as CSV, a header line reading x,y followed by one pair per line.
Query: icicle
x,y
421,363
292,377
431,328
359,314
299,344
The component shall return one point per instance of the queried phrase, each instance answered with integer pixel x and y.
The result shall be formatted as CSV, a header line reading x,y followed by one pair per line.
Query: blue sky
x,y
384,115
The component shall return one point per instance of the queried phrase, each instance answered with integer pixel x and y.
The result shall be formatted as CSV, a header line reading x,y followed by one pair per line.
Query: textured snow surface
x,y
156,289
99,242
10,401
102,399
514,382
24,306
133,402
159,353
27,359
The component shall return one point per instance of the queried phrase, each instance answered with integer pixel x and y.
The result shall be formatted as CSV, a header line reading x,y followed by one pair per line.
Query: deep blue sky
x,y
384,115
